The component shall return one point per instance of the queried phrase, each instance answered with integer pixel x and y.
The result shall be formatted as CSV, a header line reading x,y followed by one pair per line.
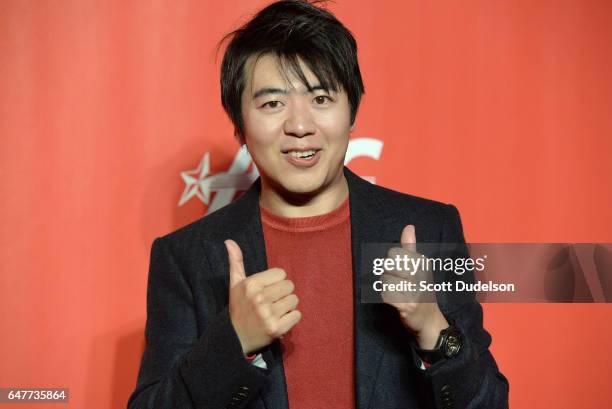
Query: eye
x,y
271,104
322,99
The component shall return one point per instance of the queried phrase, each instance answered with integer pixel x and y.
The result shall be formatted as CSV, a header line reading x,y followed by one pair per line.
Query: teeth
x,y
301,154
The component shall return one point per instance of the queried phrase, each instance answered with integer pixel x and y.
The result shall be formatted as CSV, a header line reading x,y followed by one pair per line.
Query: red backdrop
x,y
502,108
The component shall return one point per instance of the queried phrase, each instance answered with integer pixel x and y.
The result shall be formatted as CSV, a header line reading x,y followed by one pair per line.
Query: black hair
x,y
292,29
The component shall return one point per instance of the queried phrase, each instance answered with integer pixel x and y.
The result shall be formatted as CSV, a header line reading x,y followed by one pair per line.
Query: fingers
x,y
408,238
284,305
277,318
237,272
278,290
410,270
408,249
406,263
275,304
410,285
394,296
268,277
288,321
236,263
262,306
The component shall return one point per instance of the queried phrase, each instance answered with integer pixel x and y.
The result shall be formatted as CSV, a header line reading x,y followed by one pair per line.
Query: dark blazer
x,y
193,358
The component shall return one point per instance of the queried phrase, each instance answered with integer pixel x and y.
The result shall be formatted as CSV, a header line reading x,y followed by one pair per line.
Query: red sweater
x,y
318,352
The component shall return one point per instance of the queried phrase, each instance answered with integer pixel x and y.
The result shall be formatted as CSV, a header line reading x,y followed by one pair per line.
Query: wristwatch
x,y
448,346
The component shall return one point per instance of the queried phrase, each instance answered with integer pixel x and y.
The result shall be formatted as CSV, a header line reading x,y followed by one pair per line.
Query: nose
x,y
299,121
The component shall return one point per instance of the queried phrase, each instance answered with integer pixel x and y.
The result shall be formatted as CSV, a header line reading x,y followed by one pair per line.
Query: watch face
x,y
453,345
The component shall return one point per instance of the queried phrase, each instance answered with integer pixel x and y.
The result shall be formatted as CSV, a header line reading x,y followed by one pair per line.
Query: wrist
x,y
245,349
429,334
448,345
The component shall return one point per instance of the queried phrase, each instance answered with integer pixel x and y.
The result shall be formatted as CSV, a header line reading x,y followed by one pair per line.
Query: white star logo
x,y
192,180
200,183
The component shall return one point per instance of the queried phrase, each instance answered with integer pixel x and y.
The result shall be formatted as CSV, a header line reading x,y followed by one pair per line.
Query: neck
x,y
288,204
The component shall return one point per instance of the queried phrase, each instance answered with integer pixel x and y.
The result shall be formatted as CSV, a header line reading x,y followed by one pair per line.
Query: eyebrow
x,y
271,90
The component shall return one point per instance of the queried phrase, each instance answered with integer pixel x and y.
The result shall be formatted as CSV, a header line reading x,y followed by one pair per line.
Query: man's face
x,y
297,138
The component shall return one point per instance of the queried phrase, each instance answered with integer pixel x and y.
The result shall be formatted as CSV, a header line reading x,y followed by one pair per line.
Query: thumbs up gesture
x,y
424,320
262,307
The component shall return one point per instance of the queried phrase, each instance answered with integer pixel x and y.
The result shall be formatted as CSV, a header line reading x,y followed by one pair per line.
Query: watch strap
x,y
447,346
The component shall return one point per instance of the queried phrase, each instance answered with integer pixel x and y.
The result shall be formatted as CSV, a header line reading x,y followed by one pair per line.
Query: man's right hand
x,y
262,307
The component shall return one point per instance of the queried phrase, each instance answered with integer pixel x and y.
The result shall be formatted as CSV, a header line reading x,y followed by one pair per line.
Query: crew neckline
x,y
306,224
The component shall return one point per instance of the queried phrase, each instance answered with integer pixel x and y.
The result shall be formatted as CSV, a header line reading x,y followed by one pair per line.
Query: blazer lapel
x,y
366,227
249,236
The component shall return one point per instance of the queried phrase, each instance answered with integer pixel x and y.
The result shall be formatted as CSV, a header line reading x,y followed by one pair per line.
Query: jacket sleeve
x,y
471,379
180,369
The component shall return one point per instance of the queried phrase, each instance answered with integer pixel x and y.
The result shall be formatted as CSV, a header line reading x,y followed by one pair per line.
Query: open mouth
x,y
303,158
302,154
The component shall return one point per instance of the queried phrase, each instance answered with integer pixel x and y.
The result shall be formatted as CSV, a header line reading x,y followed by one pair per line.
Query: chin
x,y
301,187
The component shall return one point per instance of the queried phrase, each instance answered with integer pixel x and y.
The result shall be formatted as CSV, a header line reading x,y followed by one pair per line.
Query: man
x,y
225,327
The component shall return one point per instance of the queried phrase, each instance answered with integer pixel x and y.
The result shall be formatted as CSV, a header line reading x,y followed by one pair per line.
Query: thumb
x,y
408,239
236,262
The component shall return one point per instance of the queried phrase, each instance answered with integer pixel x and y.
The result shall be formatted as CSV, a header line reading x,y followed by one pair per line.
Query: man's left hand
x,y
423,319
